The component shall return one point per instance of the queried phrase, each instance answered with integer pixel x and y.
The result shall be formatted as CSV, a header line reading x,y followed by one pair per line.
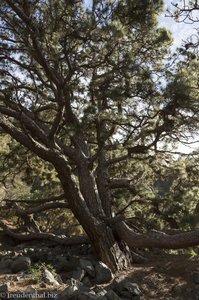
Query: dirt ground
x,y
162,277
167,276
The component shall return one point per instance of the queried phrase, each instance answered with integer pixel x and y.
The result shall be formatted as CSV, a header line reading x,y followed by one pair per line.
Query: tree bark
x,y
74,240
156,239
100,234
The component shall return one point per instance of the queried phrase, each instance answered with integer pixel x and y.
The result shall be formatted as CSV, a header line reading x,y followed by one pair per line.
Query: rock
x,y
88,267
4,287
73,289
87,296
118,280
5,264
86,281
73,282
196,295
126,294
64,265
103,273
78,274
31,290
152,294
100,292
59,279
49,278
195,277
68,293
176,291
17,278
21,263
127,288
5,271
4,290
111,295
43,285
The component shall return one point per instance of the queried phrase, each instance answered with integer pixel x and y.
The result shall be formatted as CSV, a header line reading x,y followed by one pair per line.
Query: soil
x,y
167,276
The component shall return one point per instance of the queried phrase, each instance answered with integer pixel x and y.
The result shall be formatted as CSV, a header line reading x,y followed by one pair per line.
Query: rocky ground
x,y
54,272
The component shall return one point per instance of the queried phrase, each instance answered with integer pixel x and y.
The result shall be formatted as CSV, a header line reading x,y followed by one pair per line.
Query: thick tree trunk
x,y
107,248
100,234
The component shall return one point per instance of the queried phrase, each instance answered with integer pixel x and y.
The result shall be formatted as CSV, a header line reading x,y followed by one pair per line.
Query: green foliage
x,y
37,271
92,80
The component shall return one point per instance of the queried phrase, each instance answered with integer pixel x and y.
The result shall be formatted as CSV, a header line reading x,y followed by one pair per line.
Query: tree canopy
x,y
94,91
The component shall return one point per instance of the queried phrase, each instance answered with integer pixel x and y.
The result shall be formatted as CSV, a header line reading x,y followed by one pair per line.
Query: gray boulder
x,y
100,292
59,279
88,296
86,281
103,273
87,266
111,295
49,278
5,264
78,274
73,289
21,263
126,288
4,289
62,264
5,271
132,288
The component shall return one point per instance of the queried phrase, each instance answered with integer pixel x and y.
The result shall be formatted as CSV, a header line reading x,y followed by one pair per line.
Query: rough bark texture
x,y
44,236
156,239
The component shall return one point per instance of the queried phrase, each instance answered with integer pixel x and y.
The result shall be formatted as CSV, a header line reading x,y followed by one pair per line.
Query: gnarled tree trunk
x,y
90,214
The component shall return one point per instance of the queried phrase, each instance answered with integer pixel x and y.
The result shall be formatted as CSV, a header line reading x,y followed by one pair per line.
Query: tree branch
x,y
75,240
156,239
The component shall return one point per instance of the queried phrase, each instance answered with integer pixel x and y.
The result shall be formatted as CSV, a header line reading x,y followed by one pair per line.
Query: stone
x,y
49,278
111,295
176,291
73,282
88,296
103,273
5,271
5,264
100,292
196,295
21,263
64,265
59,279
195,277
126,294
72,289
86,281
43,285
127,288
78,274
88,267
4,287
117,281
4,290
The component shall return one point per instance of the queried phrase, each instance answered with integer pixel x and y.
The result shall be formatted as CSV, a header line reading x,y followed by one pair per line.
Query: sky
x,y
181,32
